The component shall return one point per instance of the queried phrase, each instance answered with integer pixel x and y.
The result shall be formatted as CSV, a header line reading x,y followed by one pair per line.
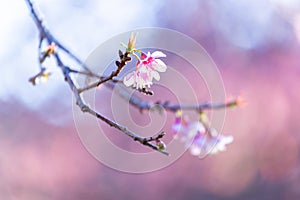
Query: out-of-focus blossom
x,y
200,139
147,69
239,101
41,77
204,144
44,77
180,126
50,49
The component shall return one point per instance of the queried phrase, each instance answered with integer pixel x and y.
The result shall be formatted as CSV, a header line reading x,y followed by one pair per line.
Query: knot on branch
x,y
146,91
160,144
84,108
50,50
124,58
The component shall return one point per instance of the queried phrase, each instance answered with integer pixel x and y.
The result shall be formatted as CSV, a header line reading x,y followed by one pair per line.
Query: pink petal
x,y
176,128
143,80
159,65
144,76
155,75
226,139
144,56
158,54
195,150
195,128
129,79
143,68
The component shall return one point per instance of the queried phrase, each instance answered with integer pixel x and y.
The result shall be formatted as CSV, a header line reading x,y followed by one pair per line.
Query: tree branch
x,y
148,105
111,83
124,58
45,34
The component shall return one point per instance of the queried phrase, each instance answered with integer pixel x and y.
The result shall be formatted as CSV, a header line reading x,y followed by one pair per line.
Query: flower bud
x,y
131,42
160,145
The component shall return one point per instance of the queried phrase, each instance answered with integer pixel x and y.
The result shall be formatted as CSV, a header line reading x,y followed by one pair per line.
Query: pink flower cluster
x,y
200,139
146,69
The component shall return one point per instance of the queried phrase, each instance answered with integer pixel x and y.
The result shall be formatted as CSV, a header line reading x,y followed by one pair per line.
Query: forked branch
x,y
153,142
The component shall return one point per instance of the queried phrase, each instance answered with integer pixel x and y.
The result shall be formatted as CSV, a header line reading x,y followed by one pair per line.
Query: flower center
x,y
148,61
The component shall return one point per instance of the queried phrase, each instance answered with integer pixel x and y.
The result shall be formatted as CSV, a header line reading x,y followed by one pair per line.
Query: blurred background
x,y
255,45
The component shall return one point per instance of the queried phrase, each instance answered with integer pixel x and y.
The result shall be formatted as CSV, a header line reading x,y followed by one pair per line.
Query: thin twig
x,y
72,55
95,84
45,33
90,74
33,79
156,138
124,58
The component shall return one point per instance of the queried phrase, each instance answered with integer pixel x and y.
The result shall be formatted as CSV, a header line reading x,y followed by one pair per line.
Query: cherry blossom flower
x,y
41,77
239,101
151,61
147,69
204,144
137,80
180,127
197,137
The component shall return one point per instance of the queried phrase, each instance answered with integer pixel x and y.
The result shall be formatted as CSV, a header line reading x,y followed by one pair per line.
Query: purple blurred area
x,y
255,45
